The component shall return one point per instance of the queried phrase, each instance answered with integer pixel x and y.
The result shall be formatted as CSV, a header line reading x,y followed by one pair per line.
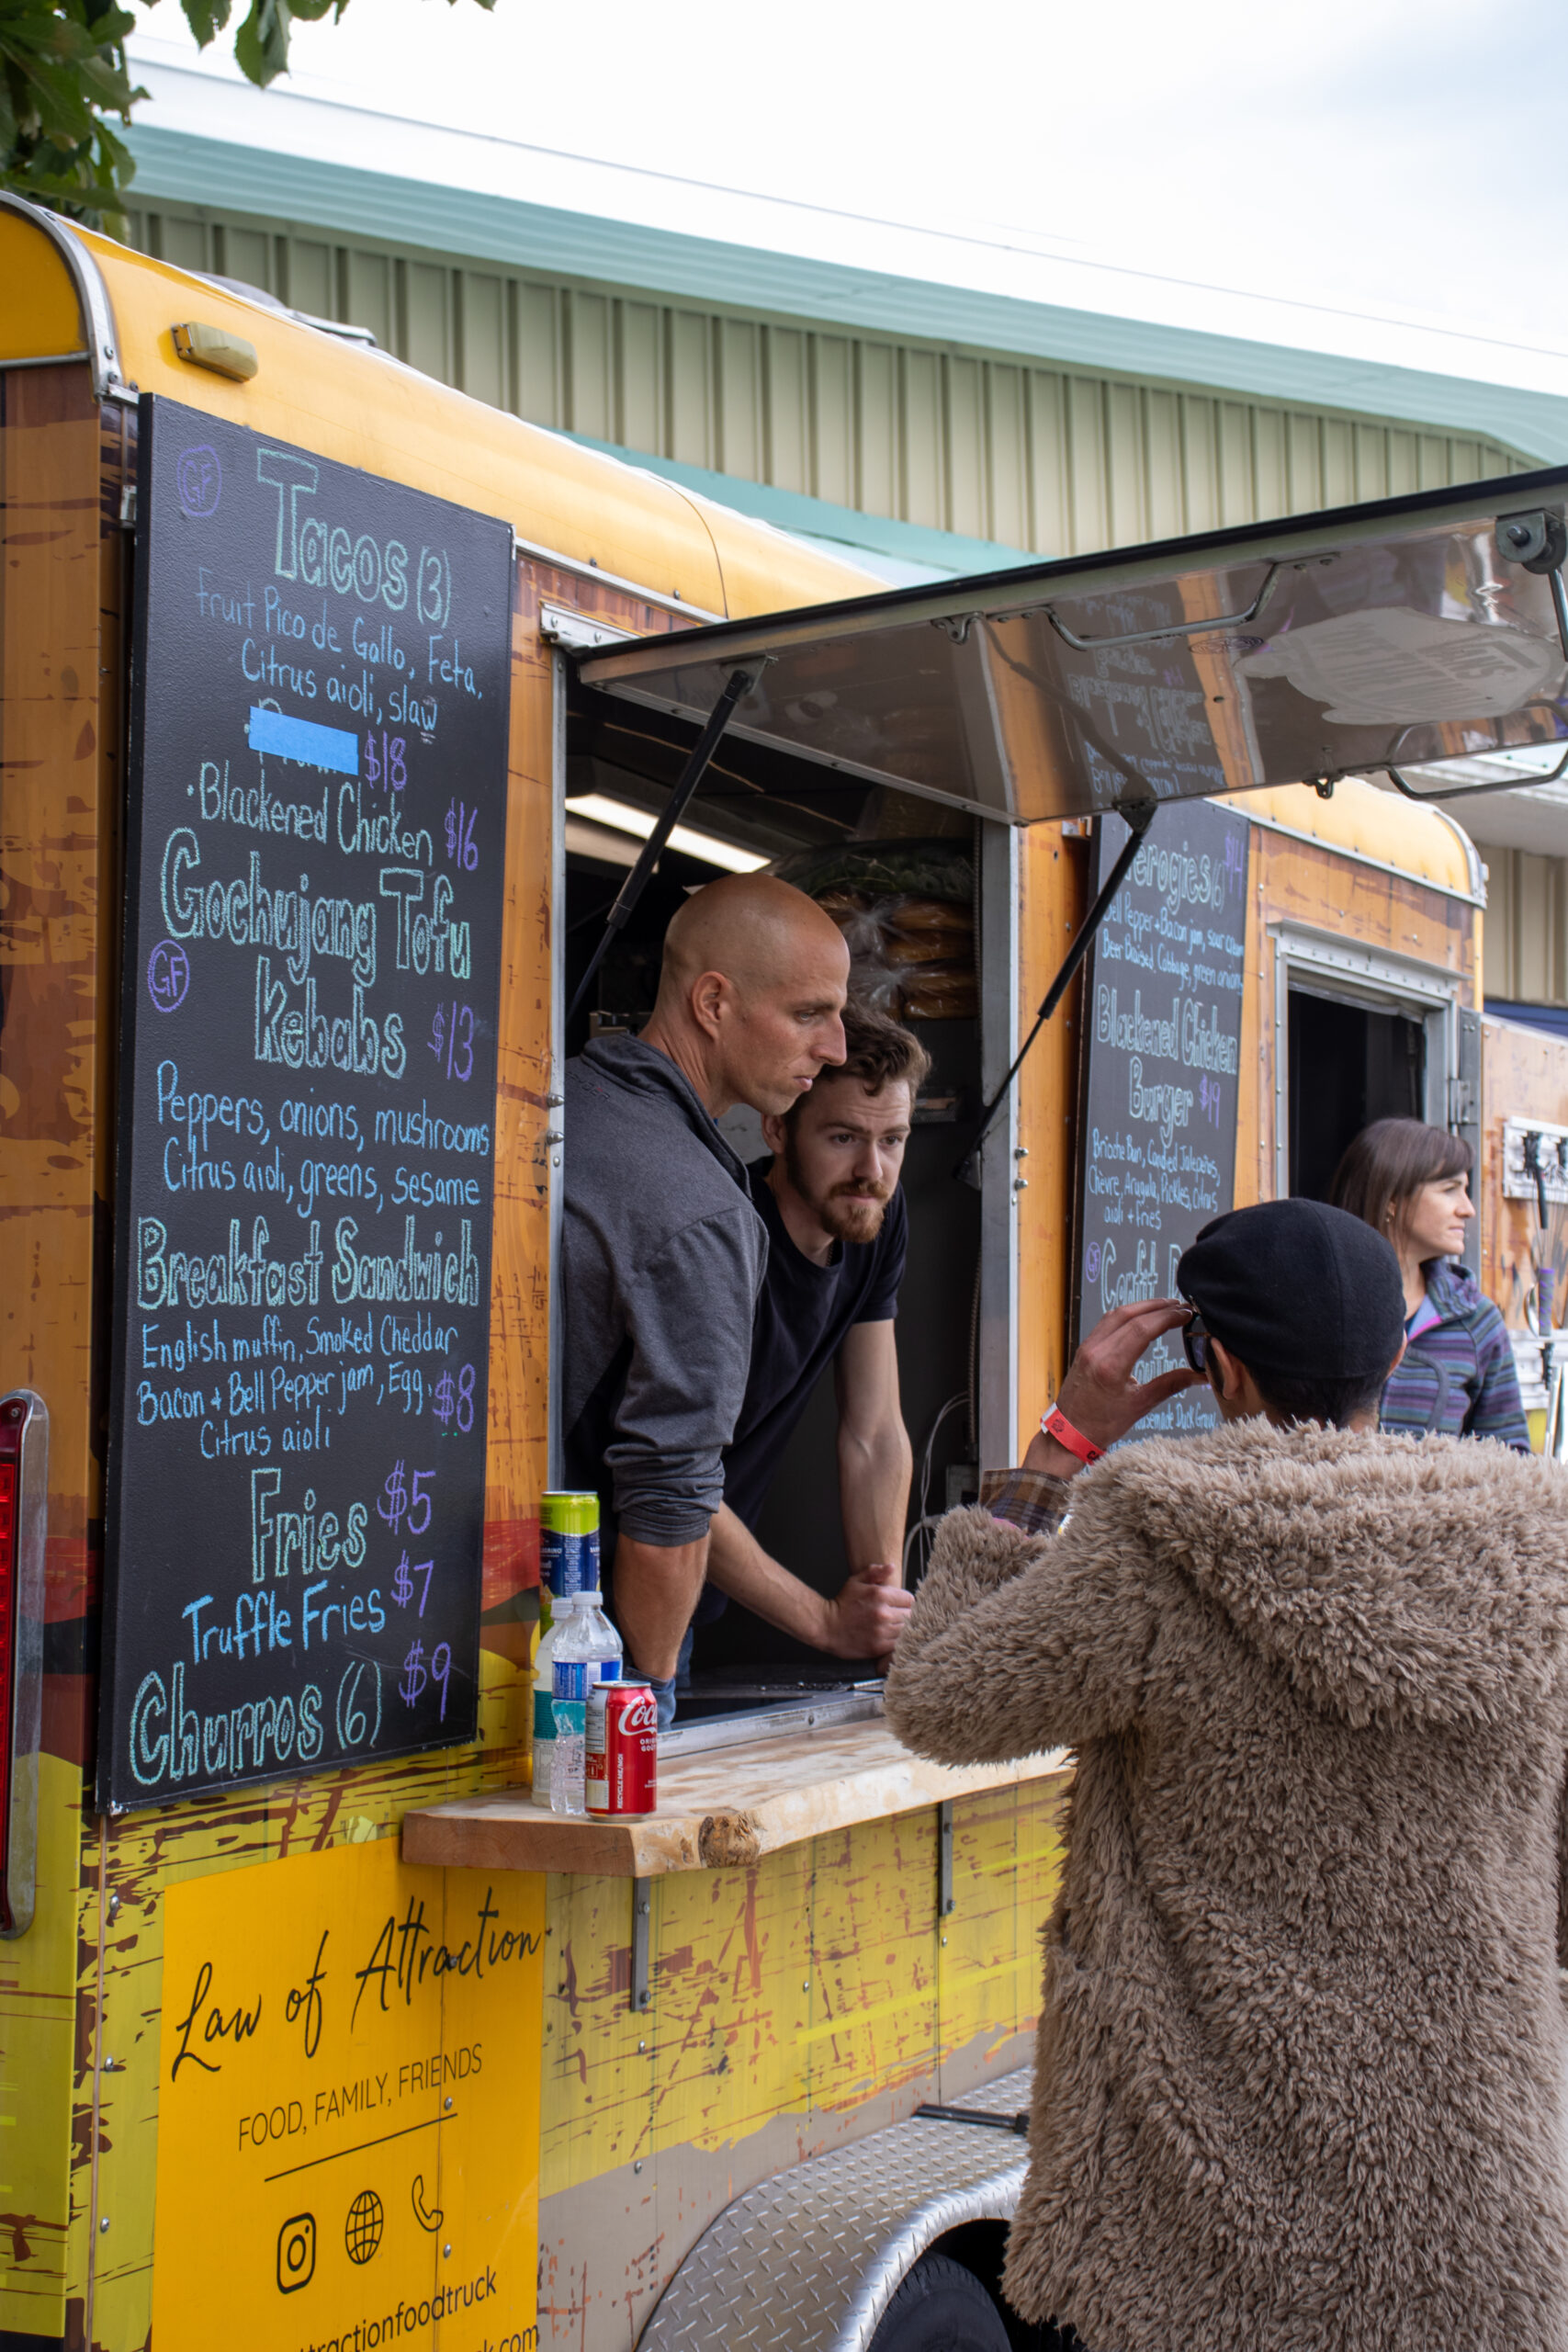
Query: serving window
x,y
908,880
1397,635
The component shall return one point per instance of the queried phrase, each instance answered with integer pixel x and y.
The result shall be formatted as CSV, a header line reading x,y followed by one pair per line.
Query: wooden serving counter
x,y
721,1809
815,1932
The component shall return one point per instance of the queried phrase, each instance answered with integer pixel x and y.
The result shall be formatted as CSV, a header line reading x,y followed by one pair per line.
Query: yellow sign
x,y
348,2116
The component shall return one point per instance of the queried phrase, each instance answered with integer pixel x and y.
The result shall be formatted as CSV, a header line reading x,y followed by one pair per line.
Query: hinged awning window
x,y
1389,636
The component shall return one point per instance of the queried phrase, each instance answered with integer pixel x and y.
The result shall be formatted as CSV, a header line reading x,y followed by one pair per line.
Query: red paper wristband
x,y
1056,1424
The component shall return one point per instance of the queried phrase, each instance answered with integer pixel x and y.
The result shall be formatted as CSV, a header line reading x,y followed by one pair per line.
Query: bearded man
x,y
837,1239
662,1254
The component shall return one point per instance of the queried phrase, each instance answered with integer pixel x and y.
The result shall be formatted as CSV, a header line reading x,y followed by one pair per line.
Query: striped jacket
x,y
1458,1377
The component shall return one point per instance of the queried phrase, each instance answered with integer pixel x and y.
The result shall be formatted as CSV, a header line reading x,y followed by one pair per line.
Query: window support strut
x,y
1137,816
738,685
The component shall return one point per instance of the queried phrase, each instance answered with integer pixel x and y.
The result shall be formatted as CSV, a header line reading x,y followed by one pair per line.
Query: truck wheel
x,y
940,2307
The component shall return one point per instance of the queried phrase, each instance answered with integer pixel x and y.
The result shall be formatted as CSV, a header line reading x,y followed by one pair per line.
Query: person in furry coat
x,y
1300,2078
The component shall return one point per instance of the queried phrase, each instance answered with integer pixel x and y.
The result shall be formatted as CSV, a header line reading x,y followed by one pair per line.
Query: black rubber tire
x,y
940,2307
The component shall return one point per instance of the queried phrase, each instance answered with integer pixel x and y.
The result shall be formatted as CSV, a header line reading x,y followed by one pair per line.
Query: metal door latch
x,y
945,1902
642,1906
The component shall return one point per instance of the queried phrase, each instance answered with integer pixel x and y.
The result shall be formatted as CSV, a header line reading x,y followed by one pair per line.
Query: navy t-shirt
x,y
802,1316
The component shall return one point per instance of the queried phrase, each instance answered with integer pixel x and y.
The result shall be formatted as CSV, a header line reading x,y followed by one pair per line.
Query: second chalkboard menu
x,y
312,954
1161,1065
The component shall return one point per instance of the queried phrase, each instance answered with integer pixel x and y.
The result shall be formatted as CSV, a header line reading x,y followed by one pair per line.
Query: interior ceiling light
x,y
600,809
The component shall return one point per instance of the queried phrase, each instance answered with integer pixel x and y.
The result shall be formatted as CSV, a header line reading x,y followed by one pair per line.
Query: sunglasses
x,y
1195,1342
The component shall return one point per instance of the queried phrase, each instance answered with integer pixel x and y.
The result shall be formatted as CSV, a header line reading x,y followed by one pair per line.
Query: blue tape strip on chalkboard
x,y
301,738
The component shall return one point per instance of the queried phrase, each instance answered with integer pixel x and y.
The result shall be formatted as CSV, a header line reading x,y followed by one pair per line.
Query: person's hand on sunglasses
x,y
1101,1397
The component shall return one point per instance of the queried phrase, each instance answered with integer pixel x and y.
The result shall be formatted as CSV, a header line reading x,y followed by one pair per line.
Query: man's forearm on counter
x,y
873,1493
656,1588
740,1569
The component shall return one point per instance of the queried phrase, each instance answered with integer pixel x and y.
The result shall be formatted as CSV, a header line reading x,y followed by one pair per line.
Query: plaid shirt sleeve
x,y
1025,1498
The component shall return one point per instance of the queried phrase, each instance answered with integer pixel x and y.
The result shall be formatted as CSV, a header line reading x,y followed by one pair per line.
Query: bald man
x,y
663,1254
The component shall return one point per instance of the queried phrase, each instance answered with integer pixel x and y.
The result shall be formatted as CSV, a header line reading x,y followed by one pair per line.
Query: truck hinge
x,y
642,1909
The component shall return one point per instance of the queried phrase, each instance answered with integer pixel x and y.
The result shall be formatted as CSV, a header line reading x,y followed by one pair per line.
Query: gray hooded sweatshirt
x,y
663,1261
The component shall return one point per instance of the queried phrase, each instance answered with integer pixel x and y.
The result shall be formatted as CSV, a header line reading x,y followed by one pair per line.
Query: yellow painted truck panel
x,y
795,2003
348,2134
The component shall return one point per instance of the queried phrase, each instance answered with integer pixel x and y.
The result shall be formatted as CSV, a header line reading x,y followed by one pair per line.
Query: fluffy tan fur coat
x,y
1300,2079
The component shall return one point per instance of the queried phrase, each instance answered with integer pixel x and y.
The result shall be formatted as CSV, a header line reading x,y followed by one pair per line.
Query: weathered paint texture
x,y
81,1995
796,2004
59,691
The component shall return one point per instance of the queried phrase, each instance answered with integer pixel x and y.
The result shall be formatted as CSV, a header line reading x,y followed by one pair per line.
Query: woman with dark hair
x,y
1411,1184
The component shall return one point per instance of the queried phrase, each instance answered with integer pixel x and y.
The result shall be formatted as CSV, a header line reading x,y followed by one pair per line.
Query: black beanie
x,y
1299,1289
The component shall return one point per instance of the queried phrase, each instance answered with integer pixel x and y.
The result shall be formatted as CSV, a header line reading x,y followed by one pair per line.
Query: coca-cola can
x,y
621,1765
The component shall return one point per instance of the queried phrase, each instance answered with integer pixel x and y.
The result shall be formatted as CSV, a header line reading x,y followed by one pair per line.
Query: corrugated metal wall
x,y
1525,947
980,443
975,442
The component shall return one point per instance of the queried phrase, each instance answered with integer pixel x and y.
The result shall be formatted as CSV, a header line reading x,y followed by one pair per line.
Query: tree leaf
x,y
205,19
261,45
64,69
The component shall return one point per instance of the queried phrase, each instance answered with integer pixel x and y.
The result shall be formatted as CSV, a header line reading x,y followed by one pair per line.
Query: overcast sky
x,y
1398,158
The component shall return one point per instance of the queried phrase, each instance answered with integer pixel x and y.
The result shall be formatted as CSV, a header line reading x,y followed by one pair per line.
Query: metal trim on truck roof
x,y
102,350
1377,828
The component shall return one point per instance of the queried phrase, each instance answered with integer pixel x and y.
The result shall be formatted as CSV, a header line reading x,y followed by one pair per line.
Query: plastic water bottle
x,y
587,1649
606,1650
544,1700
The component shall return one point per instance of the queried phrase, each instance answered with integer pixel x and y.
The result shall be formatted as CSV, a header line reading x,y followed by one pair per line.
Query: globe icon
x,y
362,2231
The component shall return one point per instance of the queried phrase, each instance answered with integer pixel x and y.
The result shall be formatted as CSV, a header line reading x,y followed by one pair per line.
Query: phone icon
x,y
295,2252
427,2217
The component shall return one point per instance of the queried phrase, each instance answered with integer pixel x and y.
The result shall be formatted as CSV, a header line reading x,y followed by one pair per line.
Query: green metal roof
x,y
452,221
902,553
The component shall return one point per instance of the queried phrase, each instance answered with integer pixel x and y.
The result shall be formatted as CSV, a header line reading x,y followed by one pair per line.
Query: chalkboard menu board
x,y
312,954
1161,1053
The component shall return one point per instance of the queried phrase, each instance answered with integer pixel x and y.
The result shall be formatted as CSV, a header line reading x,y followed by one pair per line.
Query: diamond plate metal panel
x,y
809,2261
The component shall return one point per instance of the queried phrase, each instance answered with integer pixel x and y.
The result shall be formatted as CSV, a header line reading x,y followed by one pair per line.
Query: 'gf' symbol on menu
x,y
199,477
168,975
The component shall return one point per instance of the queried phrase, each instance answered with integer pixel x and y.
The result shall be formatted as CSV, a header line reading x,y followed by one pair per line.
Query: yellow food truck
x,y
337,713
